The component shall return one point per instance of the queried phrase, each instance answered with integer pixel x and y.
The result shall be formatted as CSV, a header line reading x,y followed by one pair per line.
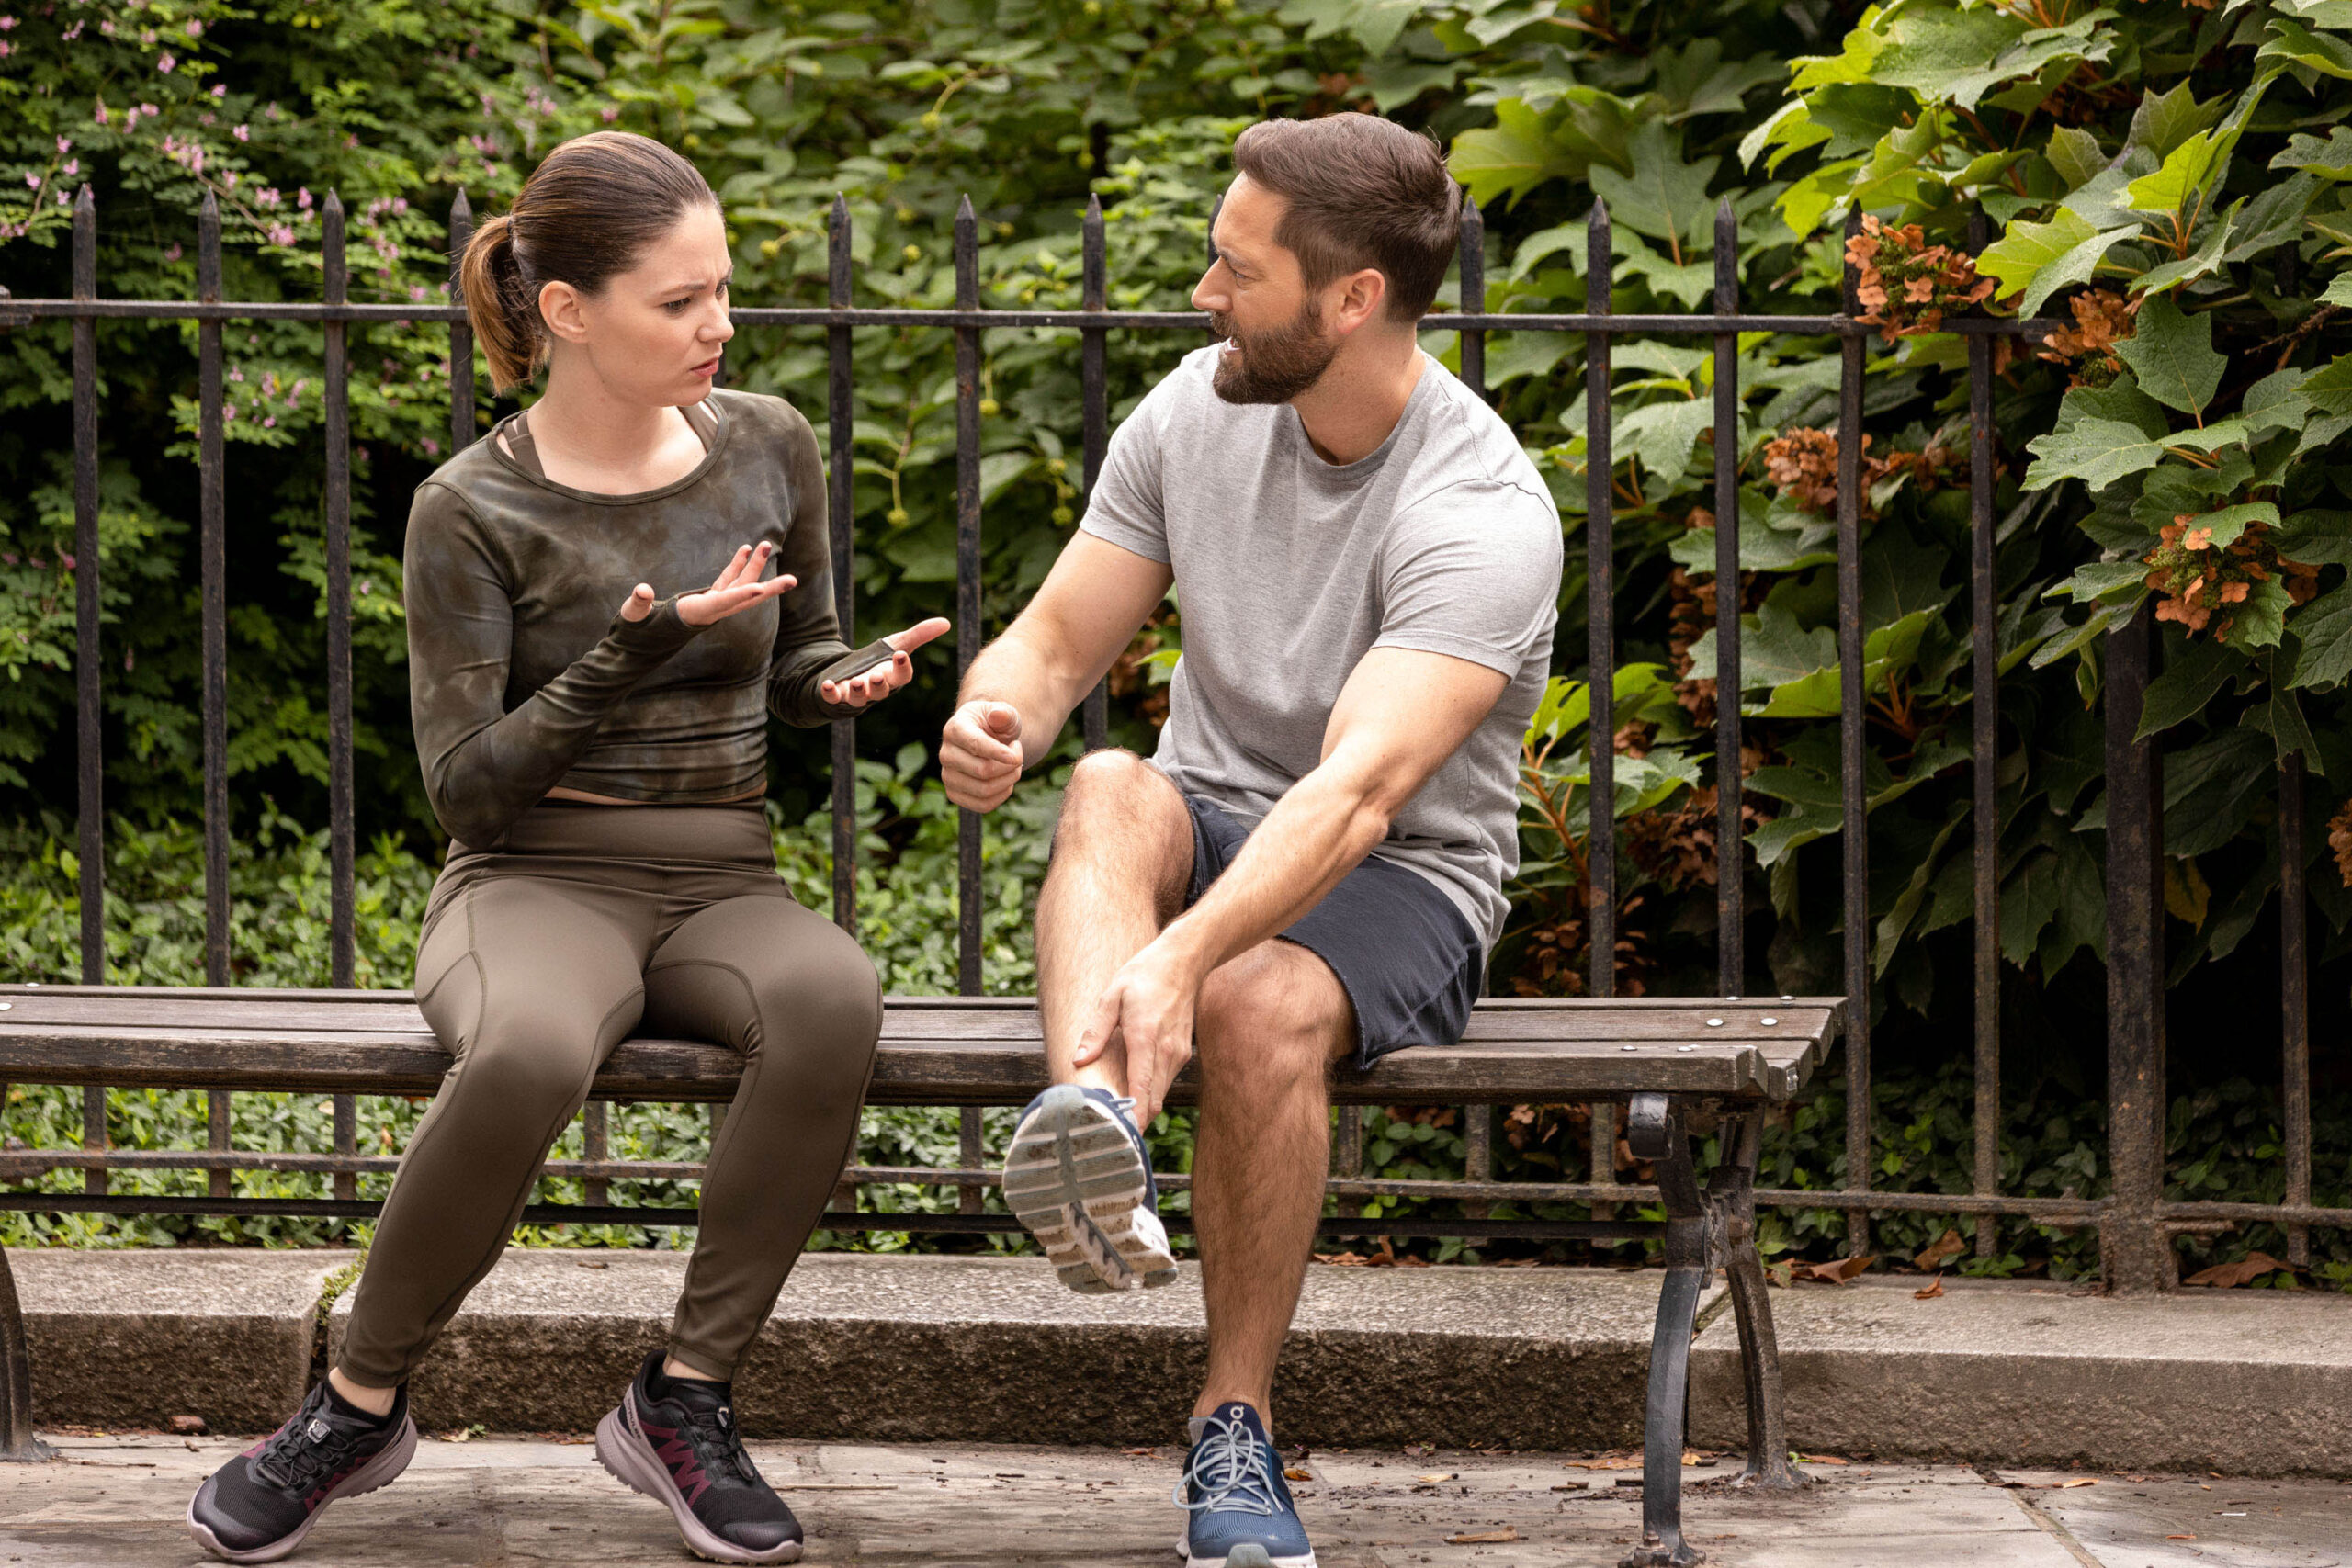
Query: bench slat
x,y
934,1050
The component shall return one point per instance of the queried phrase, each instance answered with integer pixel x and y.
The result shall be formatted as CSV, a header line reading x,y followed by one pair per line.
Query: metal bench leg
x,y
1770,1468
1653,1134
17,1440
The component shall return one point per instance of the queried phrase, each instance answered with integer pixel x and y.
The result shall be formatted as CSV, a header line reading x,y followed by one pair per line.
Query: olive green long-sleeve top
x,y
522,675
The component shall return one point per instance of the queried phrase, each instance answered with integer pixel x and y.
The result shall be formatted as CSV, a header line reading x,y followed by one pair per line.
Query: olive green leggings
x,y
591,923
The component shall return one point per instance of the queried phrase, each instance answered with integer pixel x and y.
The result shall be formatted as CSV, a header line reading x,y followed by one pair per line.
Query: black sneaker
x,y
674,1439
258,1506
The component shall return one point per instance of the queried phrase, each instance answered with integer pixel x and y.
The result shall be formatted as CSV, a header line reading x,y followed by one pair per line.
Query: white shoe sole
x,y
1242,1557
1073,1176
630,1460
381,1470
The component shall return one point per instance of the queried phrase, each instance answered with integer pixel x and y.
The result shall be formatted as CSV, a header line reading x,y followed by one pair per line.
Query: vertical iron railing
x,y
2134,1221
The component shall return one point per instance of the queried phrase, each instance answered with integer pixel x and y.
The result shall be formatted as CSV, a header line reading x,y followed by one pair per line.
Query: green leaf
x,y
2297,45
2187,683
1664,197
2175,187
2276,402
2338,290
2076,154
2331,159
2205,259
2076,266
2323,631
1510,157
2164,120
2260,619
2319,537
2230,522
2172,356
2104,581
2019,256
1662,434
2120,399
2329,390
2097,451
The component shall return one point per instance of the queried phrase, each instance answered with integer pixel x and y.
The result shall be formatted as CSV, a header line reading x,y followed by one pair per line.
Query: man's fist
x,y
979,754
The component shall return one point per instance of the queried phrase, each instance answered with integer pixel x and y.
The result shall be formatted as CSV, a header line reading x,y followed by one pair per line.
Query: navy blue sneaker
x,y
1078,1174
1242,1514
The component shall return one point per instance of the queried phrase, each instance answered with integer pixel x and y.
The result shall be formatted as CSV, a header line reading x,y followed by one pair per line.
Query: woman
x,y
601,774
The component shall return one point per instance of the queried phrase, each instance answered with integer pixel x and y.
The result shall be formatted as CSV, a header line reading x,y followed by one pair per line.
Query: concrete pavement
x,y
116,1501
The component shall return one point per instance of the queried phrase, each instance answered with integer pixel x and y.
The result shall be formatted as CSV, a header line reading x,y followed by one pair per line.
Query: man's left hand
x,y
1148,1008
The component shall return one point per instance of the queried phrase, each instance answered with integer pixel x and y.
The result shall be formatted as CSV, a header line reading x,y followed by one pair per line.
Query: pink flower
x,y
72,166
65,561
7,558
611,113
7,48
196,29
107,27
220,89
149,111
281,234
73,32
8,23
400,204
432,447
99,114
236,373
416,291
296,390
64,144
242,132
302,197
269,422
165,63
174,254
32,179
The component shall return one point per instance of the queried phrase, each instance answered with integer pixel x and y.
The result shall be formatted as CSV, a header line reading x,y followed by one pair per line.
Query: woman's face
x,y
652,335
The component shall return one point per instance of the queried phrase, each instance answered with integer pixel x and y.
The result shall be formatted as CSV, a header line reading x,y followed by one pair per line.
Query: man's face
x,y
1276,343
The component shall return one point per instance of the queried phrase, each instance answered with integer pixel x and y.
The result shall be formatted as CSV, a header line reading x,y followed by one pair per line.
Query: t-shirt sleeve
x,y
1473,571
1125,507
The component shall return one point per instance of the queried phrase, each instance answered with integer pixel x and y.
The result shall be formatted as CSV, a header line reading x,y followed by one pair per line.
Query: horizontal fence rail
x,y
2134,1221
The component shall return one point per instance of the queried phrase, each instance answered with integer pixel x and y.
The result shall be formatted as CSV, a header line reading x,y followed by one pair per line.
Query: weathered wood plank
x,y
934,1050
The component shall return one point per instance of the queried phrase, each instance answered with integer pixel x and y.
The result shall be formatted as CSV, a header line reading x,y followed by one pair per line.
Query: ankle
x,y
673,1368
375,1401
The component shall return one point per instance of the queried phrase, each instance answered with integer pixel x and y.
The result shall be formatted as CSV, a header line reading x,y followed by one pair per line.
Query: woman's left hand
x,y
880,681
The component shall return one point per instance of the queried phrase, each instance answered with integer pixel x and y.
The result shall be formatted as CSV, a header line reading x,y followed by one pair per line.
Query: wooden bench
x,y
1679,1066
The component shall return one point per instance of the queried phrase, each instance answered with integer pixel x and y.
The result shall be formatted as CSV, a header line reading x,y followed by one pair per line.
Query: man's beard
x,y
1277,365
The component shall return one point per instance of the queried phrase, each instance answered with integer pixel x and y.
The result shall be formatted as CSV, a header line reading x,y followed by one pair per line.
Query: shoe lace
x,y
295,1460
1233,1470
720,1448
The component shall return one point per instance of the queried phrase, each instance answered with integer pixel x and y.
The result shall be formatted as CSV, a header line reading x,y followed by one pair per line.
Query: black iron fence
x,y
2133,1221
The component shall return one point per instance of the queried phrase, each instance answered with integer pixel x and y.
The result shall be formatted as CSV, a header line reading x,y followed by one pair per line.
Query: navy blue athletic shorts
x,y
1409,961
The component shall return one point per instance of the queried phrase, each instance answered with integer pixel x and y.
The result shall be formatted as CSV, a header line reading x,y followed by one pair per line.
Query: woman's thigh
x,y
762,974
532,963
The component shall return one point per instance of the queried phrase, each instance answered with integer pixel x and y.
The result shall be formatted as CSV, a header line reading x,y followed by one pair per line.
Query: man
x,y
1310,867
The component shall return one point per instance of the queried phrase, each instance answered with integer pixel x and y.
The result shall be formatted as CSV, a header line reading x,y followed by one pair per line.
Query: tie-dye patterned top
x,y
522,675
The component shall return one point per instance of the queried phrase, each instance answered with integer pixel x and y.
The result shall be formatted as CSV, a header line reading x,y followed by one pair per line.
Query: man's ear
x,y
559,307
1362,297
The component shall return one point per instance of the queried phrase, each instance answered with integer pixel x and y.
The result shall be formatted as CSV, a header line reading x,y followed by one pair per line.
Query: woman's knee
x,y
826,996
538,1067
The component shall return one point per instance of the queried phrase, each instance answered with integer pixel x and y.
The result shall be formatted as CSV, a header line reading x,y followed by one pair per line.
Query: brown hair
x,y
586,213
1363,192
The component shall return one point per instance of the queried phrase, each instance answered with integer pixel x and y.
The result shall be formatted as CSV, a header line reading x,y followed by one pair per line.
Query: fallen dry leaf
x,y
2180,1538
1931,1257
1294,1472
1614,1463
1782,1273
1822,1458
1437,1475
1483,1538
1836,1271
2223,1276
1935,1289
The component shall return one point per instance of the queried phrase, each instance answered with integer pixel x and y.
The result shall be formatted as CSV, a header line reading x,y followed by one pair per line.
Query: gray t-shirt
x,y
1290,568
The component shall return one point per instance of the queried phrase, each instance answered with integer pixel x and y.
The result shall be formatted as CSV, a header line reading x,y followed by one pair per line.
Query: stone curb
x,y
2248,1382
132,1338
985,1349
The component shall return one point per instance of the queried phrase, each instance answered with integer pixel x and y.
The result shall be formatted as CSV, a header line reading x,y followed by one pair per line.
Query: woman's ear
x,y
559,307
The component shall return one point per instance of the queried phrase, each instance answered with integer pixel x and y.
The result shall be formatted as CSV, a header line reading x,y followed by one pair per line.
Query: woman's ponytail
x,y
586,213
506,321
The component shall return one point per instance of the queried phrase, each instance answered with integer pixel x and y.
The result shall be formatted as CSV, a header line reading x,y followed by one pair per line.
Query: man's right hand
x,y
979,754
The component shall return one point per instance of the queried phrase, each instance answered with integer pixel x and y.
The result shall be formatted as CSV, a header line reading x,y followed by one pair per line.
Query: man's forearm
x,y
1318,833
1019,670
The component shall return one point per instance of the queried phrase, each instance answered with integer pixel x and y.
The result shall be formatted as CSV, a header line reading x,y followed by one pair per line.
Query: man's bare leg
x,y
1270,1023
1123,856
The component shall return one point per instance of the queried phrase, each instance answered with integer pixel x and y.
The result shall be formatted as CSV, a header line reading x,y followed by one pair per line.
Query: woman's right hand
x,y
737,587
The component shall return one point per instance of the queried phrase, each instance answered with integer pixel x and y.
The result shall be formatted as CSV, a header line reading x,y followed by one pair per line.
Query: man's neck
x,y
1355,403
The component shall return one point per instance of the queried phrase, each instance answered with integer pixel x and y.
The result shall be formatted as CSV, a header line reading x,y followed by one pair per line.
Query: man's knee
x,y
1275,1014
1117,804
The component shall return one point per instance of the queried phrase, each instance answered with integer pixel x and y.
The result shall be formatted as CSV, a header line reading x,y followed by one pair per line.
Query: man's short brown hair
x,y
1363,192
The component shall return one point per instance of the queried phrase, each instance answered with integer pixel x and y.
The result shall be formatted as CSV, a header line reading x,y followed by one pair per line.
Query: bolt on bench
x,y
1680,1066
